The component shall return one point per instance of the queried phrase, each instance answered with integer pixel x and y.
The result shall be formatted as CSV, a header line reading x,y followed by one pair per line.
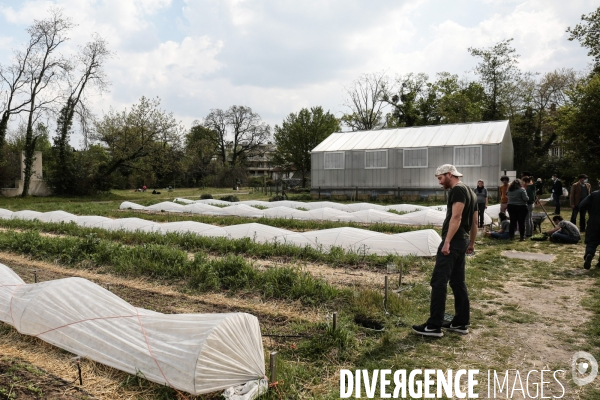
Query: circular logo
x,y
584,367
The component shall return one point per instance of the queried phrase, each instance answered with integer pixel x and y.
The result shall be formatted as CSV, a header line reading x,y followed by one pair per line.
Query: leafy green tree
x,y
298,135
578,126
413,100
499,74
588,34
200,150
129,136
460,101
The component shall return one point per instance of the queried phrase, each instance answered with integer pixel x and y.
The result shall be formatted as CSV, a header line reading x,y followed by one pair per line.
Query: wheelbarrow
x,y
538,218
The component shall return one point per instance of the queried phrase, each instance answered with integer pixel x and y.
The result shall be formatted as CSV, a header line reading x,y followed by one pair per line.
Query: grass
x,y
191,242
308,366
231,274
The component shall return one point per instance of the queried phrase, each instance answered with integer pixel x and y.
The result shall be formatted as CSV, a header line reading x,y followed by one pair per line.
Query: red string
x,y
276,386
102,318
11,298
84,320
152,355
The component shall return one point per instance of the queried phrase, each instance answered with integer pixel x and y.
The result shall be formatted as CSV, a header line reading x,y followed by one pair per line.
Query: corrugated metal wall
x,y
355,175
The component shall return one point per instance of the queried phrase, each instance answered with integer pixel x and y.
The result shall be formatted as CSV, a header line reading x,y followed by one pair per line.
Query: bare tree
x,y
42,70
217,121
245,127
13,82
87,71
365,102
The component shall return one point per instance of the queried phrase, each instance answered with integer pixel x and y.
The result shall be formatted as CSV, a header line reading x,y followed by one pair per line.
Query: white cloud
x,y
279,56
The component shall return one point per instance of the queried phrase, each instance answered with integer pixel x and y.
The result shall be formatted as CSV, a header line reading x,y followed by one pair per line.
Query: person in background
x,y
557,190
539,188
579,191
530,190
591,204
564,232
517,208
503,190
524,174
504,228
482,201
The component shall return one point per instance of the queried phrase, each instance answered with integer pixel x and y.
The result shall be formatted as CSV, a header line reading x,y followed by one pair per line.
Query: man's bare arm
x,y
473,233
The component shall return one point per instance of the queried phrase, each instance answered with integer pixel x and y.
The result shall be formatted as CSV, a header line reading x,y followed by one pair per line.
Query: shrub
x,y
230,198
206,196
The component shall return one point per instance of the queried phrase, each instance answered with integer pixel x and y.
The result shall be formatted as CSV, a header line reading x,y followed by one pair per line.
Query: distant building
x,y
37,186
402,162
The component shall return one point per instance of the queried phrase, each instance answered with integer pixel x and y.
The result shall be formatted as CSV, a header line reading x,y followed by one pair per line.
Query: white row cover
x,y
364,213
298,204
420,243
195,353
490,212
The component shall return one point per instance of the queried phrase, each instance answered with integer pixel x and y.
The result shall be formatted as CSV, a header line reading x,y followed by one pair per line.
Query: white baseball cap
x,y
444,169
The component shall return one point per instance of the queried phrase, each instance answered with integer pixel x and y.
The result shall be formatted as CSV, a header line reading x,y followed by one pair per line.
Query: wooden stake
x,y
35,276
334,321
273,367
385,296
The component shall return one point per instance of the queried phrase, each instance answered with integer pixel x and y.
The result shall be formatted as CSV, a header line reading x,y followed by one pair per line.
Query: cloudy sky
x,y
280,56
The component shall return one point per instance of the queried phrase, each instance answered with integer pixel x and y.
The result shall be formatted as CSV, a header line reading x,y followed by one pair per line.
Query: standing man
x,y
557,189
530,189
579,191
592,234
458,238
503,194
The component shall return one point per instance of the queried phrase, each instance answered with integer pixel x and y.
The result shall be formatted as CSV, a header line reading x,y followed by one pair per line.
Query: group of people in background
x,y
517,201
465,213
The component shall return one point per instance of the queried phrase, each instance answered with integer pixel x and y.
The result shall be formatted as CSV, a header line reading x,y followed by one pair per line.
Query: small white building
x,y
402,161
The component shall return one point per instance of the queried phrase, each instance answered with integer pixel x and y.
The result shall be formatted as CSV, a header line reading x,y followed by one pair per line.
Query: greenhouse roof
x,y
477,133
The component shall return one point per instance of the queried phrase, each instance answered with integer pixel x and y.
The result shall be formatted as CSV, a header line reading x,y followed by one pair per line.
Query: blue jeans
x,y
558,237
450,268
497,235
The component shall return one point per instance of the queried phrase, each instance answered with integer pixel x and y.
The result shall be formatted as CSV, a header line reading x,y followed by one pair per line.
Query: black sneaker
x,y
587,264
427,331
458,329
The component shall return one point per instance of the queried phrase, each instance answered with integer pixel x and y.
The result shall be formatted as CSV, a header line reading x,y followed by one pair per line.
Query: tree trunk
x,y
29,152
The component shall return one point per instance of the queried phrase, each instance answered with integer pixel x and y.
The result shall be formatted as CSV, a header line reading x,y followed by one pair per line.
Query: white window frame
x,y
417,166
343,153
375,151
469,165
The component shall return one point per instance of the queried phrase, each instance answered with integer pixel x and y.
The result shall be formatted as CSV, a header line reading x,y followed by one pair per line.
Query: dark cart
x,y
538,218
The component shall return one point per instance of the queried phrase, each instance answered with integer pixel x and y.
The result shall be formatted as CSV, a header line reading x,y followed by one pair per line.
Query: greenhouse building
x,y
401,162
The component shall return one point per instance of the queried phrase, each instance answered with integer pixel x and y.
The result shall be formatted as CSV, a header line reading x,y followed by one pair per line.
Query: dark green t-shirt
x,y
460,193
531,193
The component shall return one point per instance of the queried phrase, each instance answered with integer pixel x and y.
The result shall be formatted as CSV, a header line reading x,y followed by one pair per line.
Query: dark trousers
x,y
556,198
581,213
517,215
591,247
481,211
558,237
450,268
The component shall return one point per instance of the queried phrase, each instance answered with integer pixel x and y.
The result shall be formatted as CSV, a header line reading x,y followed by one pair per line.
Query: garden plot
x,y
323,211
422,243
196,353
